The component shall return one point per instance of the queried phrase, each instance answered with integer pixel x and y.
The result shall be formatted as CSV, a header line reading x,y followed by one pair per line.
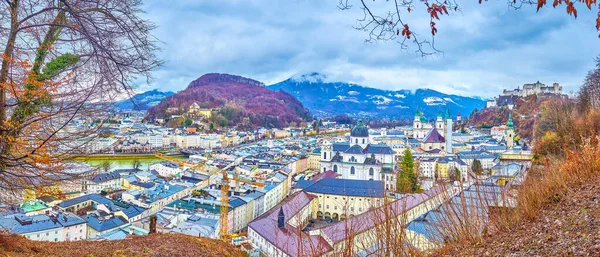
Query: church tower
x,y
326,151
439,123
448,132
510,132
417,121
359,135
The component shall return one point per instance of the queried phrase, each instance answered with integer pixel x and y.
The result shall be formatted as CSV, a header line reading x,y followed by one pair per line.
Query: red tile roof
x,y
293,241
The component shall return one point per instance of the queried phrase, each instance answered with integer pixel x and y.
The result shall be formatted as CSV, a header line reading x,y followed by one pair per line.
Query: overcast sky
x,y
485,48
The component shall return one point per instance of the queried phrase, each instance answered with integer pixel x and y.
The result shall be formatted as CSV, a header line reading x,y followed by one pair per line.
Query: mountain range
x,y
324,98
236,101
142,101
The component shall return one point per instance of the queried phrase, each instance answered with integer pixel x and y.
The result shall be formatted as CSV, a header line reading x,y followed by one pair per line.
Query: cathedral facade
x,y
359,158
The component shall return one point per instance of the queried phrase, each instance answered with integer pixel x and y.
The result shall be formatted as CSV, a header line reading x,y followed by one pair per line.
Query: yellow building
x,y
441,169
33,193
281,133
314,159
344,198
301,164
207,113
273,232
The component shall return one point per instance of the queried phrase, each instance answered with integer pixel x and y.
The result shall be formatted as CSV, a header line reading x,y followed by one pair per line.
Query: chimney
x,y
280,218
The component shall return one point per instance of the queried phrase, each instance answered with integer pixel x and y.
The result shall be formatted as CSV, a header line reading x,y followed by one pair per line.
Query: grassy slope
x,y
153,245
569,227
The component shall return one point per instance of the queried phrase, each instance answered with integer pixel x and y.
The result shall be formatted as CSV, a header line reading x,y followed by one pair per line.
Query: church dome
x,y
360,130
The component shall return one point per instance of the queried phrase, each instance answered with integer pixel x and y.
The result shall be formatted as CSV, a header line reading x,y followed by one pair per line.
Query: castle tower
x,y
458,118
510,132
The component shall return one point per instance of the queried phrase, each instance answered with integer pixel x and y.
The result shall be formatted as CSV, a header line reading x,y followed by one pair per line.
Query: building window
x,y
335,168
328,206
363,140
371,172
325,155
352,170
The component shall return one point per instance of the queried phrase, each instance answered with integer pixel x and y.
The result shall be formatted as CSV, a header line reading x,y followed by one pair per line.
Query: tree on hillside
x,y
589,93
476,167
407,181
61,60
402,21
188,122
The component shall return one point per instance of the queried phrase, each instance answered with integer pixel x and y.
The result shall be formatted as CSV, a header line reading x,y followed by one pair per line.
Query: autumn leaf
x,y
406,31
556,3
433,28
589,3
540,4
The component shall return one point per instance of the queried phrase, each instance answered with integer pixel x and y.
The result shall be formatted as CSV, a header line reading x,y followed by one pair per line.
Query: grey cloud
x,y
486,48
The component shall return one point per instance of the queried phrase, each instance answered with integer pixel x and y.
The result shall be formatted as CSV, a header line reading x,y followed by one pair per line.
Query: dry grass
x,y
152,245
545,188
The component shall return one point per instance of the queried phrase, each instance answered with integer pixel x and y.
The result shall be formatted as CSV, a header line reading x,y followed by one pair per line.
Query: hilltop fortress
x,y
509,96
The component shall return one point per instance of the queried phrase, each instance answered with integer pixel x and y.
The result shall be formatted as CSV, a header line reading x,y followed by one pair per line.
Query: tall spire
x,y
509,123
448,114
280,218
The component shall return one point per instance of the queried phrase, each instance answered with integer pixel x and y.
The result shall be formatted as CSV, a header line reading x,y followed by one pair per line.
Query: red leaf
x,y
540,4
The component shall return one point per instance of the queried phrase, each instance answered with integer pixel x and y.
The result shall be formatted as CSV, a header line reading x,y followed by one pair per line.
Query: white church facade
x,y
358,159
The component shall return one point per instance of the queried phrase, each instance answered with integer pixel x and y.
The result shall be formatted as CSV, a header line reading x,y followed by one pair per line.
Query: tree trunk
x,y
10,45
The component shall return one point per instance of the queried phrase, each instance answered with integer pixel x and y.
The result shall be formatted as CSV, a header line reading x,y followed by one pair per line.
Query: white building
x,y
103,182
166,169
359,158
53,227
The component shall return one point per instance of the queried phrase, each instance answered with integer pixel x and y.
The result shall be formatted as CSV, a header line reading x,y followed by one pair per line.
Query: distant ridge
x,y
143,101
327,98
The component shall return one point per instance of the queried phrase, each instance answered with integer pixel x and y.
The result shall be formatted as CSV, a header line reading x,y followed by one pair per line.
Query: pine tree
x,y
407,181
476,167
